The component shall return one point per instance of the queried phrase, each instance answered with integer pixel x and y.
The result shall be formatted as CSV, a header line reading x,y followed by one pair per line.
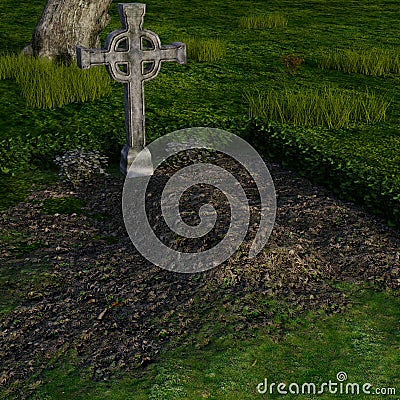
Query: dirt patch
x,y
99,297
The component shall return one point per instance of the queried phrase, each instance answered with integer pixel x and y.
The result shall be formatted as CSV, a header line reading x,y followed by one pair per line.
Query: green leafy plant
x,y
348,162
79,166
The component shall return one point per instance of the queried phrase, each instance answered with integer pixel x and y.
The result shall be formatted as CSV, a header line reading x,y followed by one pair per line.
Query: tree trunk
x,y
64,24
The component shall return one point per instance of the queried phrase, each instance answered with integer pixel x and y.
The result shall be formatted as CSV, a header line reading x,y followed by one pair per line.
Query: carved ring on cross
x,y
132,52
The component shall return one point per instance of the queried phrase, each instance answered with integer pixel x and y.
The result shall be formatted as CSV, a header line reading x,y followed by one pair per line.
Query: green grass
x,y
362,342
199,92
44,84
263,21
204,50
335,108
14,189
63,205
20,283
374,62
19,243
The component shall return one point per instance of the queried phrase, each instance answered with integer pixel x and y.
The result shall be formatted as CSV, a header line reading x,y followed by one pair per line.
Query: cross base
x,y
142,166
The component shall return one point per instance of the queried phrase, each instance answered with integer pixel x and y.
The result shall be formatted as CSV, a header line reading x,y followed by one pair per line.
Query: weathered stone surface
x,y
133,55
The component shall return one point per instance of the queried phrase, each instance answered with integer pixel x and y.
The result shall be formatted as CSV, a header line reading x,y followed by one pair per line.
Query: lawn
x,y
358,159
358,111
313,350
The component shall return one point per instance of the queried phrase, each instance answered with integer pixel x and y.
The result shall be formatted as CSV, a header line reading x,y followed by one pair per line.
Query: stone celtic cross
x,y
132,55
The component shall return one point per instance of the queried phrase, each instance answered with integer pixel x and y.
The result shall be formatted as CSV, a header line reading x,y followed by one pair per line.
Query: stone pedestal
x,y
143,164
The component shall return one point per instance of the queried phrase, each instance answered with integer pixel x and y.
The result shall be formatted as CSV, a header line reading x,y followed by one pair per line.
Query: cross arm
x,y
90,57
174,52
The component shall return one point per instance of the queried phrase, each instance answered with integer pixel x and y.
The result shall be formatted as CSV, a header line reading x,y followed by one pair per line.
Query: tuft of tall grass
x,y
375,62
275,20
44,84
205,49
335,108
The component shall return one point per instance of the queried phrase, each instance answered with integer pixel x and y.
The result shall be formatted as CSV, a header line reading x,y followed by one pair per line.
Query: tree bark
x,y
64,24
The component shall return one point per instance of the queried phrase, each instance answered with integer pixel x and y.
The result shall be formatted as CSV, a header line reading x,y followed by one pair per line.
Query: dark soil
x,y
98,296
